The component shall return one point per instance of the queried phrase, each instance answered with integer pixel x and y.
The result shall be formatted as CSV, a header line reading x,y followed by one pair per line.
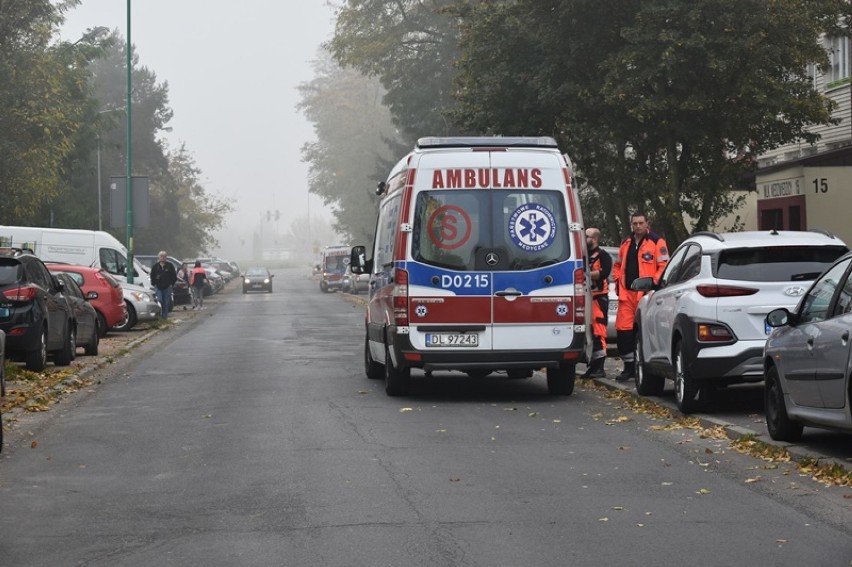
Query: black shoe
x,y
595,369
629,372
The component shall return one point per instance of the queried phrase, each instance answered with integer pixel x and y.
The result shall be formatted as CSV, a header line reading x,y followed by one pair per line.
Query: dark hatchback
x,y
257,279
34,313
87,333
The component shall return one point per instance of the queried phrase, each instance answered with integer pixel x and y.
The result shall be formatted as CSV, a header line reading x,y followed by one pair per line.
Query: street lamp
x,y
130,270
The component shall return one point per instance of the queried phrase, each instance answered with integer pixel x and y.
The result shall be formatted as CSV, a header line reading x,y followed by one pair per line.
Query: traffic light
x,y
268,216
277,214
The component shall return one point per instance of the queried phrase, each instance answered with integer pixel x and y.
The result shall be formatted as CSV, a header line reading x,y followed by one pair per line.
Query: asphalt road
x,y
250,436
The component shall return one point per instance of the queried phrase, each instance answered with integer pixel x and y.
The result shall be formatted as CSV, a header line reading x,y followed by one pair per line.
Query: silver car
x,y
807,359
611,344
141,306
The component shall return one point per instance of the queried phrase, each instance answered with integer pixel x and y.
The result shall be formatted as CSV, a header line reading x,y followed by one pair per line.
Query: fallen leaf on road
x,y
604,519
703,491
750,480
532,414
362,392
403,410
619,508
34,444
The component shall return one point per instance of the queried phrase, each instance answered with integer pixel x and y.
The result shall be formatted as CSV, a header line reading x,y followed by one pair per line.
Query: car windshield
x,y
777,264
256,272
478,230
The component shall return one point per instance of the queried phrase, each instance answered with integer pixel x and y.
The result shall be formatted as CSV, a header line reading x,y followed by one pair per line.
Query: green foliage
x,y
353,147
663,104
410,46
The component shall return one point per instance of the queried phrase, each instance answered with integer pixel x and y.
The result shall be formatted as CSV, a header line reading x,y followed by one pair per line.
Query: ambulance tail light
x,y
400,298
580,296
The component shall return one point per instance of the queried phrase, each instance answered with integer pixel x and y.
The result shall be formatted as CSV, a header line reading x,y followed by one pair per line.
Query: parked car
x,y
355,283
257,279
180,291
34,314
101,289
86,332
807,359
704,325
141,305
611,334
2,381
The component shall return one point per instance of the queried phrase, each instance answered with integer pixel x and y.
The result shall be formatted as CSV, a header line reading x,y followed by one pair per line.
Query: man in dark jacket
x,y
163,277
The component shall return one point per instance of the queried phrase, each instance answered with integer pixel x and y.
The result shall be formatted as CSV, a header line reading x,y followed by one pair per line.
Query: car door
x,y
800,357
656,318
831,347
57,306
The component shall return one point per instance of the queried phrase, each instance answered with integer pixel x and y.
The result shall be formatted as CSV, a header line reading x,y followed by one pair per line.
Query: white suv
x,y
704,324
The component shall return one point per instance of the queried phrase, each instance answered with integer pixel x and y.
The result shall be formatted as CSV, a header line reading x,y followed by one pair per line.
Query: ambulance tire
x,y
373,369
560,381
397,381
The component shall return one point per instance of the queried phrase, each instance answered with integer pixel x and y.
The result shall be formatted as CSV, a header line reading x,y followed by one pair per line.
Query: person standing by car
x,y
642,254
197,279
600,266
163,277
183,273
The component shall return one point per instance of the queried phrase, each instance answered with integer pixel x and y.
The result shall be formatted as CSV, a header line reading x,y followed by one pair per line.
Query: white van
x,y
478,264
93,248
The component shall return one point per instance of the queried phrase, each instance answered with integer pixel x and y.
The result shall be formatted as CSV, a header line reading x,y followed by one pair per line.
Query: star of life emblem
x,y
562,310
421,311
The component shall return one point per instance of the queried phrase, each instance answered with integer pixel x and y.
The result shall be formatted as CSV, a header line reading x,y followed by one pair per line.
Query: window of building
x,y
838,69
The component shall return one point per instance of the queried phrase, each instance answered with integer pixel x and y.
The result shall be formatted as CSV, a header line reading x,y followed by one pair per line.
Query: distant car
x,y
355,283
611,334
807,356
704,323
257,279
101,289
141,305
86,333
34,314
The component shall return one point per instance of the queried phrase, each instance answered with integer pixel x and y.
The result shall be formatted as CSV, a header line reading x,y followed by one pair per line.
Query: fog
x,y
232,71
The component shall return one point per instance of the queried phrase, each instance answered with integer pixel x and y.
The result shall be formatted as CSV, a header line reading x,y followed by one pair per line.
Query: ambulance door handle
x,y
508,292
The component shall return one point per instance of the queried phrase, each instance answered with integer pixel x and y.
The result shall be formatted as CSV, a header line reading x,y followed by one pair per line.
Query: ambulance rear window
x,y
478,230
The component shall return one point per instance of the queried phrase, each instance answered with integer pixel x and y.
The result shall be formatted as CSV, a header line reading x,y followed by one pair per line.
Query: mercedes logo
x,y
492,258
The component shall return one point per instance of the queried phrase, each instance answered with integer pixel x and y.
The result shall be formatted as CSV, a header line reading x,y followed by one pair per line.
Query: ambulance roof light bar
x,y
487,141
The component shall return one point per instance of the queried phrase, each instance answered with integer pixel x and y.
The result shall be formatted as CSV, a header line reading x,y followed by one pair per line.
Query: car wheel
x,y
2,382
560,381
779,424
647,382
686,387
323,287
373,369
36,359
129,320
92,346
66,354
102,326
397,380
245,290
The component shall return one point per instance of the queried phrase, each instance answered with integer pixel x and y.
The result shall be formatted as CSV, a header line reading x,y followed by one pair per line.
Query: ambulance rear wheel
x,y
397,381
373,369
560,381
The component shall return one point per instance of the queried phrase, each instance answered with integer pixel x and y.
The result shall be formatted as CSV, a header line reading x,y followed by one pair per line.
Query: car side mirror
x,y
779,317
643,284
358,260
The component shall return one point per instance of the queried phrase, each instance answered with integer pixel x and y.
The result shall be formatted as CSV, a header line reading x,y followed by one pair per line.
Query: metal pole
x,y
100,211
130,269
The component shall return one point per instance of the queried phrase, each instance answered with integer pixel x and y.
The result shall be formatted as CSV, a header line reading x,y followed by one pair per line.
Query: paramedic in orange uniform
x,y
600,266
642,254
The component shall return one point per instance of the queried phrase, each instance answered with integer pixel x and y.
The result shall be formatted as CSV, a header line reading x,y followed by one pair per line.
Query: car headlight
x,y
247,281
140,296
266,281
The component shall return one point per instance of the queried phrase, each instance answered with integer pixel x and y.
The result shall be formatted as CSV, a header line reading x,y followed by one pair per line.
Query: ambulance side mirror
x,y
358,263
380,187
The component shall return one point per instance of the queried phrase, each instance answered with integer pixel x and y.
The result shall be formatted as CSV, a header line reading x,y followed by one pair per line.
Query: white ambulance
x,y
478,264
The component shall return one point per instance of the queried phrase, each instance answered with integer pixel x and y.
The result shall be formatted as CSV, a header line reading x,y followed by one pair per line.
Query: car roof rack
x,y
710,234
821,231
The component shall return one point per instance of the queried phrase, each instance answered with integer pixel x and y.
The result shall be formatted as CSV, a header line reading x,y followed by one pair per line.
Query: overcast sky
x,y
232,70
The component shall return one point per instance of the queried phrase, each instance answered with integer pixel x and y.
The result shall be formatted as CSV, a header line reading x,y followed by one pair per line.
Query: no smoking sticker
x,y
449,227
532,227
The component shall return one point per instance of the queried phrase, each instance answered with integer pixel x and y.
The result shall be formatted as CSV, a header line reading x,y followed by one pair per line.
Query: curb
x,y
733,431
